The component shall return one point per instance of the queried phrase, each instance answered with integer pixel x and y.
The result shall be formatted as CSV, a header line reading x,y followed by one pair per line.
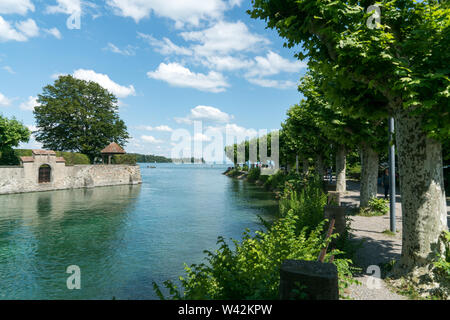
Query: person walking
x,y
385,183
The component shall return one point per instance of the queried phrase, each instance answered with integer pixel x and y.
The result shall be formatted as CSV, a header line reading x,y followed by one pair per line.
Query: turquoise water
x,y
123,237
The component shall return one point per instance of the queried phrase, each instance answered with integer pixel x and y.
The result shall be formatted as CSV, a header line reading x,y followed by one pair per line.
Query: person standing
x,y
385,183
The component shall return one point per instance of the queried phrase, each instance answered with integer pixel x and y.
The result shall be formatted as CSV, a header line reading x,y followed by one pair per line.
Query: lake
x,y
125,237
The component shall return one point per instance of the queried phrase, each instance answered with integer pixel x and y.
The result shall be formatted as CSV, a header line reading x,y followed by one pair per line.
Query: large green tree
x,y
77,115
12,132
407,60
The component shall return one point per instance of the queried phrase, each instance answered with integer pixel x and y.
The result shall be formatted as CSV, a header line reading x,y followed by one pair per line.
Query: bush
x,y
307,204
253,174
72,158
443,263
129,159
376,207
251,268
275,181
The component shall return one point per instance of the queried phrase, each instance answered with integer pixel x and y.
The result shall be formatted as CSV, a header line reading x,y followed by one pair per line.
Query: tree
x,y
407,60
12,132
80,116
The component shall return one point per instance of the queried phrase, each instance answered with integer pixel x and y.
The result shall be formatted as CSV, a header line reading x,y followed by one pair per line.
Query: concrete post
x,y
319,281
338,213
334,198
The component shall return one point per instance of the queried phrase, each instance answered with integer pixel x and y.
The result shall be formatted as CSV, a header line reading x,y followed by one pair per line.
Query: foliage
x,y
79,116
275,181
443,262
253,174
250,268
307,204
124,159
71,158
12,132
376,207
141,158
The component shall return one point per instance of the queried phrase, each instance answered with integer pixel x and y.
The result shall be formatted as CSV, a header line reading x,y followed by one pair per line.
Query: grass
x,y
389,233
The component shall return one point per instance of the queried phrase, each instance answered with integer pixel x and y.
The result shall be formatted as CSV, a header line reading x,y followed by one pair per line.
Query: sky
x,y
171,64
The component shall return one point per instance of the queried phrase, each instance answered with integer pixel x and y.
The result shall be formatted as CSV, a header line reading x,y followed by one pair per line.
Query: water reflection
x,y
43,233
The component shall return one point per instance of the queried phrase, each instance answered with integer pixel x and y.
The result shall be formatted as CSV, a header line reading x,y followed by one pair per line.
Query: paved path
x,y
377,247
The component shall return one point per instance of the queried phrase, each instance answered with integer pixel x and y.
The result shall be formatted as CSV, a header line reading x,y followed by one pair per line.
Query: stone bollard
x,y
338,213
319,281
334,198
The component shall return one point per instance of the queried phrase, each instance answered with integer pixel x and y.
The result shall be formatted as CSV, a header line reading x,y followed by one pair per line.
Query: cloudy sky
x,y
169,62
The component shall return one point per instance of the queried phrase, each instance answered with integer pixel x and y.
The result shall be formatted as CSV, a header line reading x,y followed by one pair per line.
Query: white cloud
x,y
207,113
165,46
4,101
105,82
223,38
29,104
201,137
181,11
16,6
28,28
65,6
127,51
268,83
54,32
227,63
150,139
161,128
9,69
179,76
8,33
273,64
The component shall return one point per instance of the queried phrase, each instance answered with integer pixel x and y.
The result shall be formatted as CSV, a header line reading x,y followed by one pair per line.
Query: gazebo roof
x,y
113,148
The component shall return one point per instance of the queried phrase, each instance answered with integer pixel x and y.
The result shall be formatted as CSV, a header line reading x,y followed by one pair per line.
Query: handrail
x,y
323,252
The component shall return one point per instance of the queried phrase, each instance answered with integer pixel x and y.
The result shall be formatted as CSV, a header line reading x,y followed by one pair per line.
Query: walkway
x,y
376,248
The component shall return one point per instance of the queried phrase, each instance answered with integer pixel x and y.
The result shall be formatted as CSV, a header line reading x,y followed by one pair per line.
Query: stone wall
x,y
25,178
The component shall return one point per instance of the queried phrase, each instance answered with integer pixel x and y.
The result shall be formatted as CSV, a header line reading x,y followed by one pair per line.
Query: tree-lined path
x,y
376,246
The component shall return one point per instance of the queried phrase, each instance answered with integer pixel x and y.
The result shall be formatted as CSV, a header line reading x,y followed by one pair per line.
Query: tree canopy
x,y
80,116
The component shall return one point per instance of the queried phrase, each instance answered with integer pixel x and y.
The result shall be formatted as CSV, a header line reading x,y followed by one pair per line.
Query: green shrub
x,y
376,207
307,204
443,263
73,158
354,171
129,159
275,181
253,174
251,270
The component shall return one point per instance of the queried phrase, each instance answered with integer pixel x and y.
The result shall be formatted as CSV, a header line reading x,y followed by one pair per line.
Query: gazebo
x,y
111,150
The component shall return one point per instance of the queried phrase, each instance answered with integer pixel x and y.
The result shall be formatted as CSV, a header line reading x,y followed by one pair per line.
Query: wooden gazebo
x,y
111,150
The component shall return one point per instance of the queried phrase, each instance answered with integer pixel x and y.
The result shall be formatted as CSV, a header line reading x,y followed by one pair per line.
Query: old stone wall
x,y
26,178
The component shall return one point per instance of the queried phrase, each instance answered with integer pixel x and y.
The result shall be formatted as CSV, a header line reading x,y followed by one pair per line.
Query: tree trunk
x,y
319,166
369,175
296,163
305,166
424,212
341,159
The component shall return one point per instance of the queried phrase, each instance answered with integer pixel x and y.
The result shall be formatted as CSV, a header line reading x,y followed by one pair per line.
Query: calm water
x,y
124,237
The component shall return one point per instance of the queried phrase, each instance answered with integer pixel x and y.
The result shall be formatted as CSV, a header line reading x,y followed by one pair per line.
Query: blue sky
x,y
170,62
